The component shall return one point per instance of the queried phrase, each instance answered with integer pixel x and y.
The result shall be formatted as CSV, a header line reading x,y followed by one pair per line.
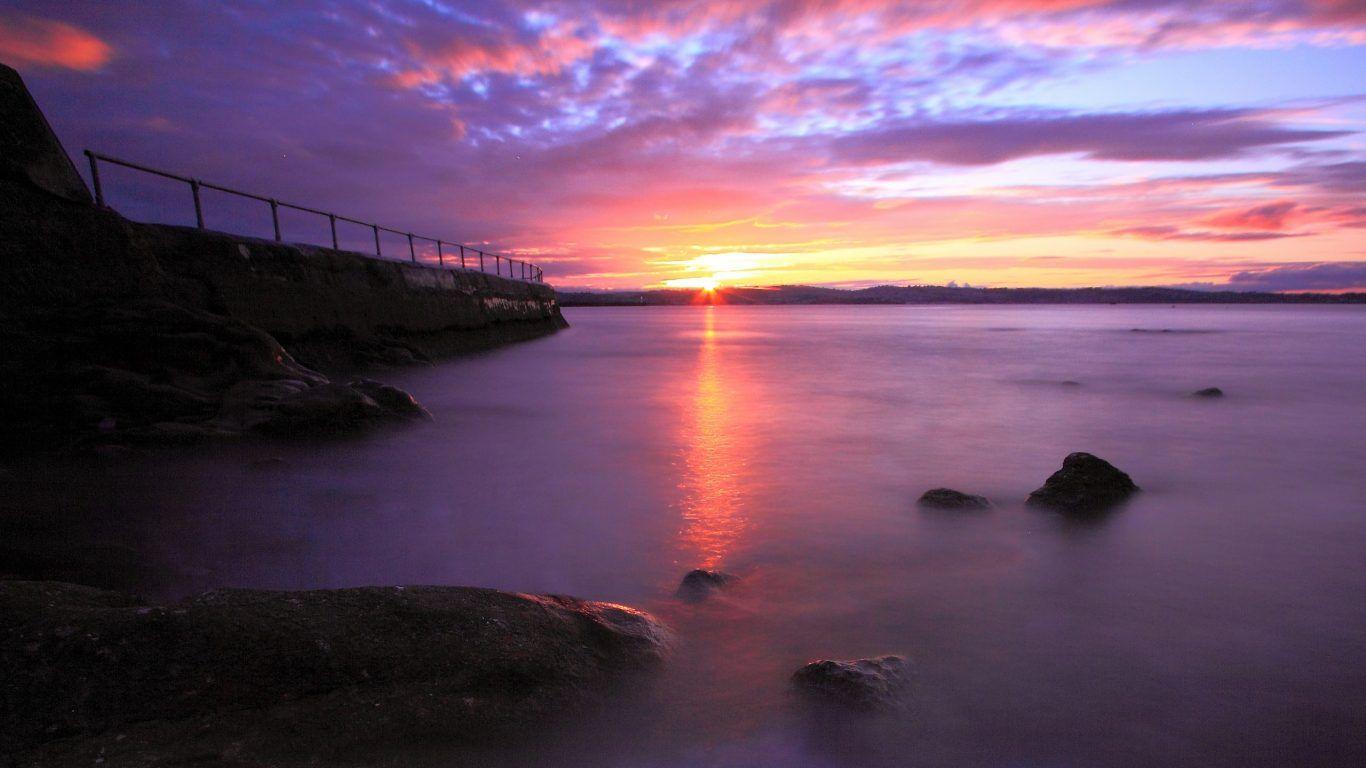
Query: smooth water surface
x,y
1218,620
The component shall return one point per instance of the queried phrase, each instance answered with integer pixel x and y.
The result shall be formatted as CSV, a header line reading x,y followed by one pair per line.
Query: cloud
x,y
1178,135
1322,276
1267,216
33,41
1167,232
616,140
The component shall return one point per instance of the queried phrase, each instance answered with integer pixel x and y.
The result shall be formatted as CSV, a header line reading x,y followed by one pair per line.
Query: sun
x,y
705,284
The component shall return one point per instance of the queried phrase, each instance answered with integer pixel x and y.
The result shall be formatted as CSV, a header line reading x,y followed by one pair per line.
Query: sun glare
x,y
706,284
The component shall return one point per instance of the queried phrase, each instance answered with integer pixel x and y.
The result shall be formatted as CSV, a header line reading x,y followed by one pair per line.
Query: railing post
x,y
462,257
481,261
275,217
198,209
440,259
95,178
376,228
332,219
412,252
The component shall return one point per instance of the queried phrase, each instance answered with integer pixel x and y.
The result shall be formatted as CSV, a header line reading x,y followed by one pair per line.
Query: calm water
x,y
1218,620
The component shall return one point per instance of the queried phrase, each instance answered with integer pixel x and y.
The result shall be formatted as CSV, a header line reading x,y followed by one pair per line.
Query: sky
x,y
633,143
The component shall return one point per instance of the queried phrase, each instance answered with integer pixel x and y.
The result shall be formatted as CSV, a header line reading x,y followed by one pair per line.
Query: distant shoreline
x,y
931,295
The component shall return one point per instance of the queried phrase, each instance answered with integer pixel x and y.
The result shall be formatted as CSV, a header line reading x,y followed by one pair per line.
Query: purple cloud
x,y
1179,135
1322,276
1166,232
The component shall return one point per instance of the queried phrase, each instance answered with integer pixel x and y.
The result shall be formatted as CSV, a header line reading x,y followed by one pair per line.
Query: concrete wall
x,y
318,300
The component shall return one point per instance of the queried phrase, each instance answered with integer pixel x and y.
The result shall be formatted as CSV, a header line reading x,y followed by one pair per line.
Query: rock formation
x,y
1085,484
699,584
94,674
860,684
947,498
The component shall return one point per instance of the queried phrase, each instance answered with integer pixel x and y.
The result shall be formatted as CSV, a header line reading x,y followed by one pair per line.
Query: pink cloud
x,y
1267,216
29,40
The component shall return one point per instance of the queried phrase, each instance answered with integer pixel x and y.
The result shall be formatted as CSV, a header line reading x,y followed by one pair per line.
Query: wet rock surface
x,y
253,677
699,584
947,498
860,684
1085,484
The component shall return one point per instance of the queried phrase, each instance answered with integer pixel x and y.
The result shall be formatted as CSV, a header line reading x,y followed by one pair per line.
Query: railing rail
x,y
515,268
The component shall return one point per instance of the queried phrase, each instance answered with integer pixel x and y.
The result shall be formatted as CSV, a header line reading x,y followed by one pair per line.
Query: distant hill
x,y
935,294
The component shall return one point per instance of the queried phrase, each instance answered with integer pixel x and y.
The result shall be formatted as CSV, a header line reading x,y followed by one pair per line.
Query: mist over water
x,y
1219,619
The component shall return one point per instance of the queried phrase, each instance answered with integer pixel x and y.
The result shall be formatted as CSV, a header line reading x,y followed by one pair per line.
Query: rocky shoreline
x,y
255,677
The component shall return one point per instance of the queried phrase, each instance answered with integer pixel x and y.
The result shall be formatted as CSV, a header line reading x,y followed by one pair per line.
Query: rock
x,y
1208,392
859,684
699,584
1085,484
324,410
947,498
397,402
90,673
29,147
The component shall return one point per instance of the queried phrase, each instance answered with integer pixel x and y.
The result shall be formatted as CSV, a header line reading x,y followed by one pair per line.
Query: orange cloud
x,y
47,43
1268,216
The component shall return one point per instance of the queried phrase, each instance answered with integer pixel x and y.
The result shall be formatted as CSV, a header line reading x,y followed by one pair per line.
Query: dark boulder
x,y
699,584
1085,484
326,409
1208,392
859,684
393,400
90,673
947,498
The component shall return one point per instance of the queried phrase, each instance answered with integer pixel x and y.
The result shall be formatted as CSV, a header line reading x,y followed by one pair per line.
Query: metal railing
x,y
515,268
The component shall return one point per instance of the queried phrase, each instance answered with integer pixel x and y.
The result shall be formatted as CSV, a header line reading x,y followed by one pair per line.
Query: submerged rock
x,y
1208,392
699,584
1085,484
93,673
859,684
947,498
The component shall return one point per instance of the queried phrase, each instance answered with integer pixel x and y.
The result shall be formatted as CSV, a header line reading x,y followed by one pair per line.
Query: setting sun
x,y
708,284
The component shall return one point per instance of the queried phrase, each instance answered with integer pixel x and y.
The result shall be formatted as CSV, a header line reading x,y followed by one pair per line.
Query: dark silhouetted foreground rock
x,y
860,684
1209,392
392,399
92,673
1085,483
698,584
947,498
157,373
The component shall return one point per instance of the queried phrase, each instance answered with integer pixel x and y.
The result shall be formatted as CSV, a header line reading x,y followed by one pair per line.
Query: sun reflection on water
x,y
715,453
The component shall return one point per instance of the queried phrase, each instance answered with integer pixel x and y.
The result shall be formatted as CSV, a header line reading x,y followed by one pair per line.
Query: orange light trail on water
x,y
715,454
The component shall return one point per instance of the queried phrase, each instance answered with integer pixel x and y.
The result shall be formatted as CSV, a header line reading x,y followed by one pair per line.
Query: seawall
x,y
336,308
